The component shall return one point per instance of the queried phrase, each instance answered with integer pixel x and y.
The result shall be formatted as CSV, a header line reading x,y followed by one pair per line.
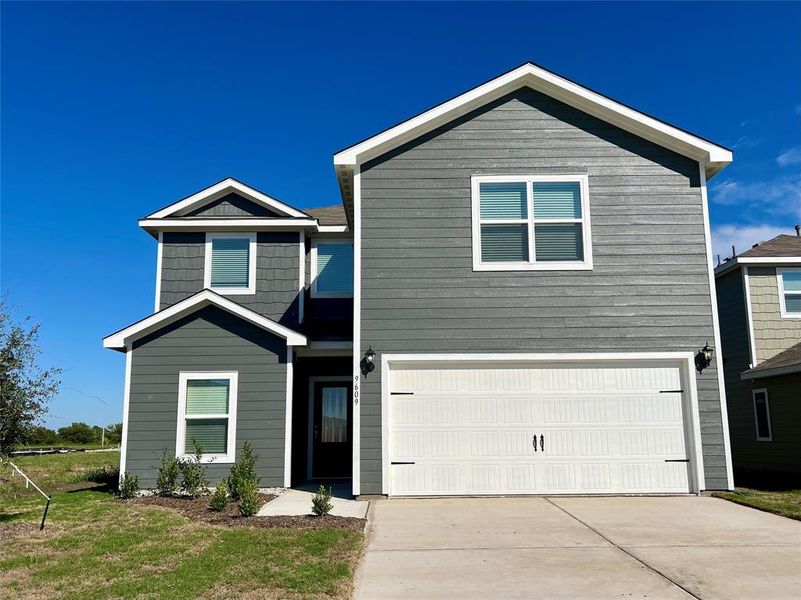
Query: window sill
x,y
217,459
543,266
233,291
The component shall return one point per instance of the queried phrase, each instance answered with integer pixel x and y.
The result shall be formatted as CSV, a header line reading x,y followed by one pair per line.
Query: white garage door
x,y
516,429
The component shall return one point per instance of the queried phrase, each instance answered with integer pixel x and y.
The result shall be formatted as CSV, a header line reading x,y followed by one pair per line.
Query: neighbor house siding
x,y
783,453
277,273
772,333
209,340
648,291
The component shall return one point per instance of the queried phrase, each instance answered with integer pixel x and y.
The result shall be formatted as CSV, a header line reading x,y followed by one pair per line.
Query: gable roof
x,y
783,363
781,250
329,215
713,156
121,339
221,189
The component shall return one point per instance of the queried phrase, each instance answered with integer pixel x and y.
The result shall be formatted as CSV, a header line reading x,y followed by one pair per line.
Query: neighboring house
x,y
759,301
511,300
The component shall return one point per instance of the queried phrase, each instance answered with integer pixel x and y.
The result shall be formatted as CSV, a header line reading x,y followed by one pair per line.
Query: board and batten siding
x,y
209,340
277,273
772,333
648,291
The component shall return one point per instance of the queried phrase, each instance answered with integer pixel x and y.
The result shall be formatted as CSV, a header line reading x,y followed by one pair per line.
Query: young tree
x,y
25,387
79,433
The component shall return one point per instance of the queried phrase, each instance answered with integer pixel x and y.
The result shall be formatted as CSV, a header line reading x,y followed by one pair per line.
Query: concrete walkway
x,y
298,501
553,548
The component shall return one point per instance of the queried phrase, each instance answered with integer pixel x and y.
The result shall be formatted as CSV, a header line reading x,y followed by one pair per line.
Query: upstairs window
x,y
207,414
531,223
762,415
231,263
790,292
332,268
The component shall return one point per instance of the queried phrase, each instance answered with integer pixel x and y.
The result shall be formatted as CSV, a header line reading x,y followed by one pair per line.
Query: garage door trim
x,y
683,360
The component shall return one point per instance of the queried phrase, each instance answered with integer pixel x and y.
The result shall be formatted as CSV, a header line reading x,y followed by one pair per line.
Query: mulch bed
x,y
198,510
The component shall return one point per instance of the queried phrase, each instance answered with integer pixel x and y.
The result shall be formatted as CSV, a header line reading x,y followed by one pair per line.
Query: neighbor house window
x,y
790,292
207,414
762,415
531,223
332,268
231,263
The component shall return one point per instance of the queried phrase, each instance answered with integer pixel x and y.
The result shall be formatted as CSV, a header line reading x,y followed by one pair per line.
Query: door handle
x,y
534,442
542,443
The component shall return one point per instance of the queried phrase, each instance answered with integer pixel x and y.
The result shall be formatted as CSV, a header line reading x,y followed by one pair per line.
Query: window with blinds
x,y
208,404
230,262
333,269
790,291
530,223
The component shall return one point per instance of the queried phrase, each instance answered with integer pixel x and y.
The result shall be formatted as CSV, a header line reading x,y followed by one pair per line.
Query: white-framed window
x,y
230,263
207,413
531,223
332,268
790,292
762,415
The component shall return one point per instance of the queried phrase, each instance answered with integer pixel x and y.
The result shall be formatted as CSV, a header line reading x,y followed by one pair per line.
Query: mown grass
x,y
786,503
95,546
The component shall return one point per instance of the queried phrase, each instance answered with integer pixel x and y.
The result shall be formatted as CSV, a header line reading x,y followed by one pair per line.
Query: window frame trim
x,y
252,250
313,267
532,264
782,303
769,438
180,439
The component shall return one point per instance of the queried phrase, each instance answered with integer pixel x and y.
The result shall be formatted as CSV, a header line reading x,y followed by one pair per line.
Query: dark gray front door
x,y
332,440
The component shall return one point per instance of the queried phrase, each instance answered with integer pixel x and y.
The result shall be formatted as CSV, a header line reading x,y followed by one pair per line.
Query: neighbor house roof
x,y
121,339
781,250
783,363
329,215
712,156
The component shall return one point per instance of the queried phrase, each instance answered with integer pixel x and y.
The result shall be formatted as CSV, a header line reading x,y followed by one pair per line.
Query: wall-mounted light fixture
x,y
368,361
704,358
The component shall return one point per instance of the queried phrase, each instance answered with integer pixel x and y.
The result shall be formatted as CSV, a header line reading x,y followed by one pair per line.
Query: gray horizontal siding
x,y
648,291
209,340
277,273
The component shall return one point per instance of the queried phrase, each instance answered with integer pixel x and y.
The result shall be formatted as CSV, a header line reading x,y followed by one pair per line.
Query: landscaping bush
x,y
194,473
219,499
321,502
105,474
244,470
129,486
169,470
248,499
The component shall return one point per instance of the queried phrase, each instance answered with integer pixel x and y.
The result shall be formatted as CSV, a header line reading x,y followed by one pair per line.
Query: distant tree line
x,y
76,433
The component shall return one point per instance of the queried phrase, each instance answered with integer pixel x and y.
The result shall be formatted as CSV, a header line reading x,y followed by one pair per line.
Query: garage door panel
x,y
471,430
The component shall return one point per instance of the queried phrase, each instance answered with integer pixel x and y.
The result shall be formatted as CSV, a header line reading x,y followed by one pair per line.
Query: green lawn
x,y
95,546
785,503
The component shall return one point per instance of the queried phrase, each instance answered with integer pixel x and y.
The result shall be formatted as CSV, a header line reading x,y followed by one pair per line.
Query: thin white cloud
x,y
742,237
789,157
780,197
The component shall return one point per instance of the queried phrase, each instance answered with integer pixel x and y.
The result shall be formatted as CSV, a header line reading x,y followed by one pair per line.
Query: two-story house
x,y
515,297
759,300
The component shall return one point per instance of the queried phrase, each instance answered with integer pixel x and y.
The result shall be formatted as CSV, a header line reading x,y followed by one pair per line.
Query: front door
x,y
332,423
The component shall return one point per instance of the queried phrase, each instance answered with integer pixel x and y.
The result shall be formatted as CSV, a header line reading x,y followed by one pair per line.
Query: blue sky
x,y
112,110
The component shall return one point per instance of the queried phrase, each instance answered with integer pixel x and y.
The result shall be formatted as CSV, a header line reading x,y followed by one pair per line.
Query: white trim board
x,y
357,329
124,337
221,189
159,258
713,299
126,402
749,317
229,456
290,383
684,360
765,261
253,250
712,156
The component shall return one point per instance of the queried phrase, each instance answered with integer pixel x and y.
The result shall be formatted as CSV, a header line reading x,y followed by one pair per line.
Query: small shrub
x,y
248,499
106,474
194,473
244,470
169,470
219,499
321,502
129,486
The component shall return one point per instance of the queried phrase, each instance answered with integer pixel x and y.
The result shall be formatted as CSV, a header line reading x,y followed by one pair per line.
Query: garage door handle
x,y
542,443
534,442
677,460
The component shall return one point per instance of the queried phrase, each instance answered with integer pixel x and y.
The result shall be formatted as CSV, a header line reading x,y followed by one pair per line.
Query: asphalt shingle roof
x,y
781,245
789,358
329,215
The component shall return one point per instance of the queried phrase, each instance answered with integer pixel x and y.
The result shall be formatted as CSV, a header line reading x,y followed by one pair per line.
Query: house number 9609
x,y
356,389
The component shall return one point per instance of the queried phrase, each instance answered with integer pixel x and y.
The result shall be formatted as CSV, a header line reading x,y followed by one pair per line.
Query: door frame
x,y
683,360
310,425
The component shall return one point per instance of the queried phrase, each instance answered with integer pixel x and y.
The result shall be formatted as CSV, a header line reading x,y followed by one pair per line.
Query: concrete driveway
x,y
551,548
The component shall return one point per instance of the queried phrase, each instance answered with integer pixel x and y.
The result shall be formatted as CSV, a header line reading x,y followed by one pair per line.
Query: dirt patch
x,y
198,509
